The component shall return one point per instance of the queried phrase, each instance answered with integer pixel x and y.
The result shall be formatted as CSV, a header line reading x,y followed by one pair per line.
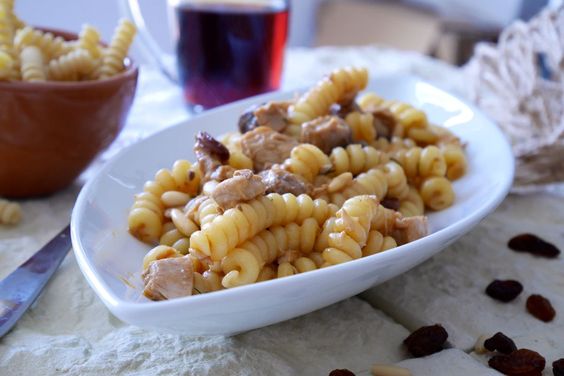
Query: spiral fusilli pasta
x,y
407,116
437,193
114,55
71,66
146,215
412,204
32,66
339,85
266,247
10,212
50,45
307,161
419,163
362,126
356,159
89,40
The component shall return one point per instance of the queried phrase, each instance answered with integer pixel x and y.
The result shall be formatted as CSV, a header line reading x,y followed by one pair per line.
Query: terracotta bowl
x,y
51,131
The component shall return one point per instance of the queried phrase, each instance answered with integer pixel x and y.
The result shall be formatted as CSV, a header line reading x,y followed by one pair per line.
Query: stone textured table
x,y
69,331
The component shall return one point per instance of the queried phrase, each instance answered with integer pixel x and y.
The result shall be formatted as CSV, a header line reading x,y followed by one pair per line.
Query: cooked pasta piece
x,y
437,193
266,247
340,85
397,181
158,253
420,163
50,45
377,243
362,126
32,65
114,55
10,212
455,161
393,145
412,205
407,116
72,66
89,40
351,229
6,65
238,224
356,159
372,182
307,161
202,210
146,215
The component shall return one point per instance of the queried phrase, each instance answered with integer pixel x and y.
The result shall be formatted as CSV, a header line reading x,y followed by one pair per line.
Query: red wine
x,y
229,52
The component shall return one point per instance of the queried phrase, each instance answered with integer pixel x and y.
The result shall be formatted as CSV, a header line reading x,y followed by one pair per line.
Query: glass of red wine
x,y
226,49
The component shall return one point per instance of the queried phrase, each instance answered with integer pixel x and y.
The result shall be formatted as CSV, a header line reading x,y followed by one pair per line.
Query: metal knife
x,y
20,289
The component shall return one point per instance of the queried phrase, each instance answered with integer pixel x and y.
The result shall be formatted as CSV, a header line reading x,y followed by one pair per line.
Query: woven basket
x,y
520,84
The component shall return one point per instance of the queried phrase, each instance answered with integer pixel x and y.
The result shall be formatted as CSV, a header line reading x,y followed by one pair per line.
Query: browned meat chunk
x,y
272,114
327,133
169,278
281,181
409,229
211,154
384,123
243,186
266,147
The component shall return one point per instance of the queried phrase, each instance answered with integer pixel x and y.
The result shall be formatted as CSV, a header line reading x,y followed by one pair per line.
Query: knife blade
x,y
20,289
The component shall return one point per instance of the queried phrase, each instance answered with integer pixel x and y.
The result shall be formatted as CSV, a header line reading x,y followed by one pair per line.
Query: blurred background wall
x,y
447,29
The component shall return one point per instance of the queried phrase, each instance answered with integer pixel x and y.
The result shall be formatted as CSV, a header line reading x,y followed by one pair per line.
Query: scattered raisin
x,y
206,145
426,340
391,203
521,362
500,343
341,372
540,307
248,120
534,245
558,367
504,290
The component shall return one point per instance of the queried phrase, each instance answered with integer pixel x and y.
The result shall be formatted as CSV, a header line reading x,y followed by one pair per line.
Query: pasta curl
x,y
32,67
113,57
356,159
340,85
71,66
10,212
307,161
362,126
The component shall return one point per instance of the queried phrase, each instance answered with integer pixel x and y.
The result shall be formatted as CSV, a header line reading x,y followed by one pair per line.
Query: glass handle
x,y
149,47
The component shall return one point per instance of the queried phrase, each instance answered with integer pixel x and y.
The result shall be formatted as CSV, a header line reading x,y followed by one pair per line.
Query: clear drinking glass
x,y
225,49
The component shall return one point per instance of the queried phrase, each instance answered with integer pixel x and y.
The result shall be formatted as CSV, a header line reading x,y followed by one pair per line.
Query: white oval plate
x,y
111,259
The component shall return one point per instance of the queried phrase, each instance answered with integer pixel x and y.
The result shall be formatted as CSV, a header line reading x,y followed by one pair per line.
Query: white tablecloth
x,y
69,331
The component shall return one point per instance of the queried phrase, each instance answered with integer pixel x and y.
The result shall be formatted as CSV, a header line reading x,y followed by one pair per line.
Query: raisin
x,y
500,343
206,145
341,372
534,245
558,367
540,307
426,340
391,203
248,120
504,290
521,362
